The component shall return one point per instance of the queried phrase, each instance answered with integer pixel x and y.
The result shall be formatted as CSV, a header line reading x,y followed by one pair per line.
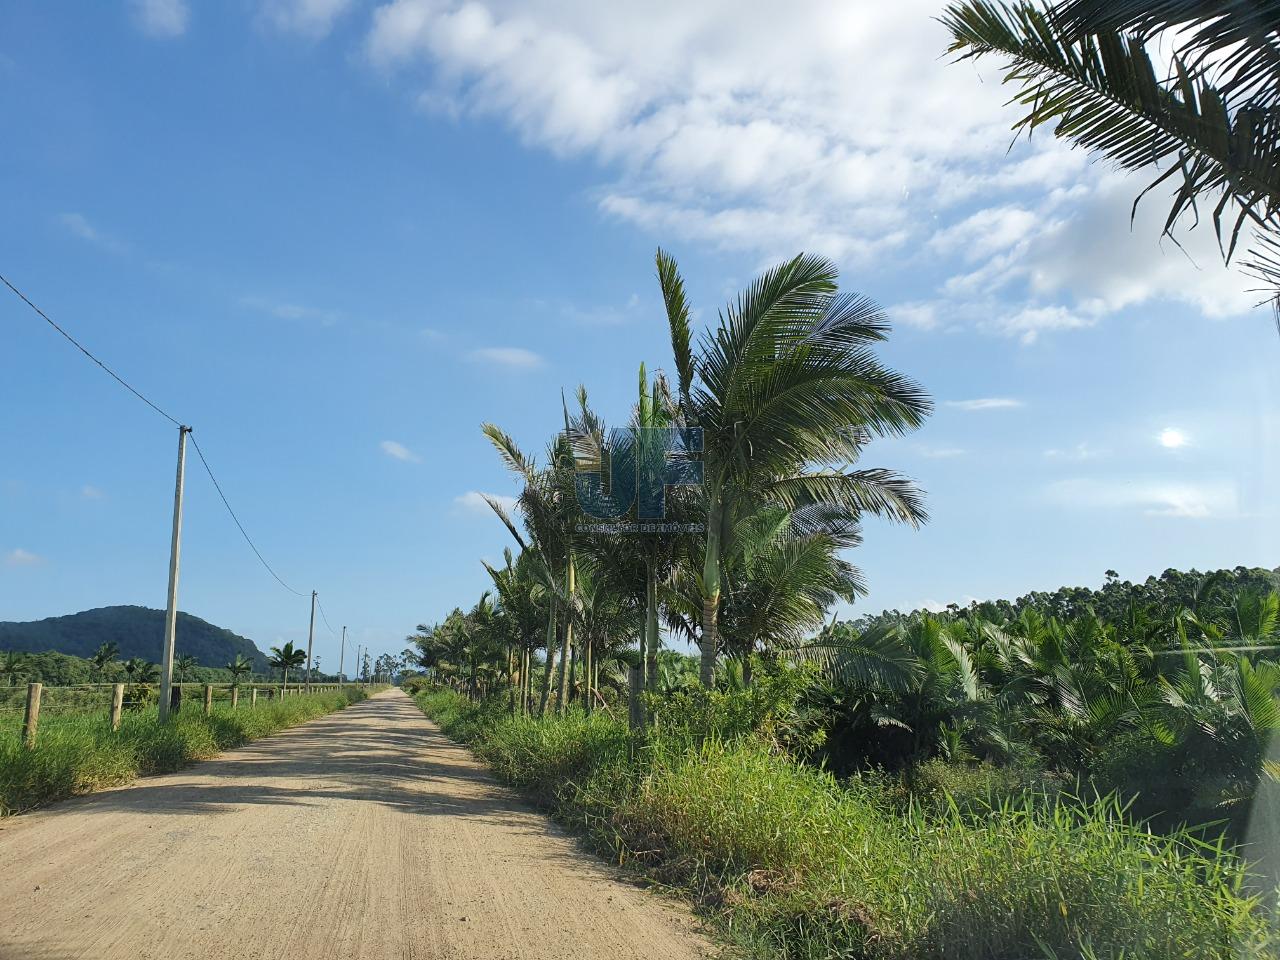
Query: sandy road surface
x,y
365,834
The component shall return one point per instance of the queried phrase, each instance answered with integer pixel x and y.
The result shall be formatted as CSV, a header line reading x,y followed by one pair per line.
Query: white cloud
x,y
17,557
474,500
921,314
841,129
398,451
90,492
940,453
79,226
1081,451
985,403
1028,323
161,18
517,358
1172,438
1155,497
284,310
310,18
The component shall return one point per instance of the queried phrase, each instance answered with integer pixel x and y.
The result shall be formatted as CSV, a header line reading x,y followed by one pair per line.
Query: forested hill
x,y
139,632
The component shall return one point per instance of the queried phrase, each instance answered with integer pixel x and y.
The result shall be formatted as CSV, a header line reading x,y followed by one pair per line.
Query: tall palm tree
x,y
787,392
185,666
104,657
549,508
286,658
239,666
141,671
1212,126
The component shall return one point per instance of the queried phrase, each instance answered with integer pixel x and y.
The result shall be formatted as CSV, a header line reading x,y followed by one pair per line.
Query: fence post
x,y
208,698
117,704
253,699
31,719
235,697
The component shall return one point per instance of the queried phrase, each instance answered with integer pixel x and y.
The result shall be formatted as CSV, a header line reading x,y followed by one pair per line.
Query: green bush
x,y
795,864
79,753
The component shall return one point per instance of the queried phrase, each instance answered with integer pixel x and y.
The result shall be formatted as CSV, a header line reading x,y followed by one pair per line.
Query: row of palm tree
x,y
720,511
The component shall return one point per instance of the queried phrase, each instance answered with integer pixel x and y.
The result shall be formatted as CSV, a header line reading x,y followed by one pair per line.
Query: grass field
x,y
77,751
791,863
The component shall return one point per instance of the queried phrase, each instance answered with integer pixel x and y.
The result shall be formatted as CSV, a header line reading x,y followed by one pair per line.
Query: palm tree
x,y
239,666
1213,126
786,393
12,666
103,657
286,657
185,666
549,507
141,672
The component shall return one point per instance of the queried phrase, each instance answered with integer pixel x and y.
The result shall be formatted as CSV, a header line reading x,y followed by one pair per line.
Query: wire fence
x,y
26,708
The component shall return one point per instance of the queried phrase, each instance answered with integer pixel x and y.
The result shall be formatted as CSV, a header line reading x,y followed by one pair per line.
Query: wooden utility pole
x,y
342,650
171,610
311,635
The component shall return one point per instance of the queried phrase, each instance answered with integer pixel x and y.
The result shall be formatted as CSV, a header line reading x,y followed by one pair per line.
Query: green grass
x,y
76,753
791,863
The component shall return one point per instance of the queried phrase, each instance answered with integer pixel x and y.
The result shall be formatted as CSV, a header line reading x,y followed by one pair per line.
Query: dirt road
x,y
365,834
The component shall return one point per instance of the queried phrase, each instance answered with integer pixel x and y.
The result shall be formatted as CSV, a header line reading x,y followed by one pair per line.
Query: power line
x,y
217,486
323,617
79,346
120,380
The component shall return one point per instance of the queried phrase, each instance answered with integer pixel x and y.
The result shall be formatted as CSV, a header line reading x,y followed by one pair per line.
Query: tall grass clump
x,y
79,753
793,863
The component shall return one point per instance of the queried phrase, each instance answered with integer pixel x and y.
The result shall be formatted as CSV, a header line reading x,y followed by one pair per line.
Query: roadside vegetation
x,y
790,862
1081,774
77,753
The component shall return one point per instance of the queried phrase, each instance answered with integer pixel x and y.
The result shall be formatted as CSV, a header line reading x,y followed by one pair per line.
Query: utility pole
x,y
311,635
171,610
342,650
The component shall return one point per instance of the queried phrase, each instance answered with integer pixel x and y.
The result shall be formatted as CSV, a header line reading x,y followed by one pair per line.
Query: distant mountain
x,y
139,632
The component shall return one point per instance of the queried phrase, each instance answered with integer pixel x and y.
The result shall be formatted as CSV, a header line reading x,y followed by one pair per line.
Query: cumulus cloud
x,y
161,18
985,403
398,451
17,557
1155,497
475,501
516,358
840,129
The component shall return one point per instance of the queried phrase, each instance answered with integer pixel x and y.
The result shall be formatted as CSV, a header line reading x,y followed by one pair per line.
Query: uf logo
x,y
642,464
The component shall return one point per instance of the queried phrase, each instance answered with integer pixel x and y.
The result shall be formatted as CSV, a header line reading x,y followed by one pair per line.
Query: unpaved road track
x,y
365,834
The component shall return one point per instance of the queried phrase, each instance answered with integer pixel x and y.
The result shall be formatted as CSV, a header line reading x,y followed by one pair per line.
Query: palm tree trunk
x,y
746,670
567,642
511,680
587,675
649,647
708,642
551,659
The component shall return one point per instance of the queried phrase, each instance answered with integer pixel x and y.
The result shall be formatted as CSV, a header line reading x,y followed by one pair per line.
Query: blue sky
x,y
337,236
